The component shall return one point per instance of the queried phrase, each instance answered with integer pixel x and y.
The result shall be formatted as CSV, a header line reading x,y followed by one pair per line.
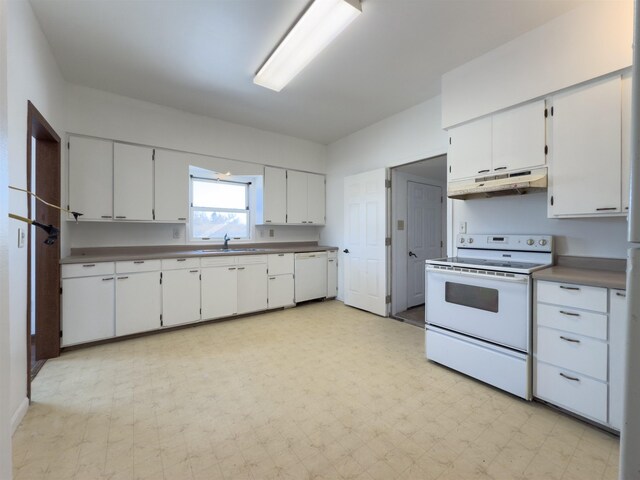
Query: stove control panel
x,y
526,243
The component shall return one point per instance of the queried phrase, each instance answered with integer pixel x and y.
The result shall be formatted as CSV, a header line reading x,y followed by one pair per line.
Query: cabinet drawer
x,y
138,266
87,269
180,263
218,261
251,259
280,263
571,320
571,295
572,391
332,254
574,352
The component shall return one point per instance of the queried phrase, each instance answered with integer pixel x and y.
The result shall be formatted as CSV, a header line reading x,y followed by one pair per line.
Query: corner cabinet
x,y
291,197
586,157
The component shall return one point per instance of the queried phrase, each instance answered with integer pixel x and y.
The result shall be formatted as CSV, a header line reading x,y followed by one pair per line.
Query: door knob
x,y
411,254
346,250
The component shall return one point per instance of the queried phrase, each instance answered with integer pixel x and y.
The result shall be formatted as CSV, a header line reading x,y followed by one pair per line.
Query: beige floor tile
x,y
321,391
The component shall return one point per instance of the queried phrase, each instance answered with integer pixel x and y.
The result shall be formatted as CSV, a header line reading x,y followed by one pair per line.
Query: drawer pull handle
x,y
483,171
122,278
240,268
89,265
137,262
564,287
181,260
272,278
605,209
281,254
182,218
621,294
573,379
120,216
106,216
267,221
331,260
107,279
193,271
499,168
572,340
571,314
232,268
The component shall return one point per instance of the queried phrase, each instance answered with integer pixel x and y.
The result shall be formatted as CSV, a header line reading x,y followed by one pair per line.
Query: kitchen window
x,y
219,207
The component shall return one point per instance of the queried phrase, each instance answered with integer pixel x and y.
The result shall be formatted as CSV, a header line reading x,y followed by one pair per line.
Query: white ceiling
x,y
433,168
200,55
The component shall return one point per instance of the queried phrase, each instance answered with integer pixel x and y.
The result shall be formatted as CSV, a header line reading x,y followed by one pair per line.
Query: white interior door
x,y
365,230
424,235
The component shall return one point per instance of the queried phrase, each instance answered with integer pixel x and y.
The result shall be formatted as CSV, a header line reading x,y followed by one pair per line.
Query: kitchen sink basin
x,y
230,250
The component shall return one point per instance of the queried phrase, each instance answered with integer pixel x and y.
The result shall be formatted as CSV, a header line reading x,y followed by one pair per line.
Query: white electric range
x,y
479,307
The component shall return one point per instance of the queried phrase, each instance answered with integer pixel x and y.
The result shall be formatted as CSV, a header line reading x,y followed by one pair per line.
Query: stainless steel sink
x,y
230,250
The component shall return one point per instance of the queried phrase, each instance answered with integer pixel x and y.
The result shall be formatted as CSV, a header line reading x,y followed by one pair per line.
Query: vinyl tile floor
x,y
321,391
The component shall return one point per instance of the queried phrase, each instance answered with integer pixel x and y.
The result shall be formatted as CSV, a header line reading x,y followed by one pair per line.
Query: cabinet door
x,y
87,309
219,292
519,138
138,302
586,150
332,277
91,178
617,333
470,149
132,182
280,291
252,288
180,296
626,141
296,197
315,199
171,186
275,195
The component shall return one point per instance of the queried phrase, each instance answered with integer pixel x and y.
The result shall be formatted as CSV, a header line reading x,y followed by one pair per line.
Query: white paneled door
x,y
424,235
365,231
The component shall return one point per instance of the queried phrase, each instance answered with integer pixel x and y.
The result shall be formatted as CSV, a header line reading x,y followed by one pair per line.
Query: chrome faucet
x,y
226,241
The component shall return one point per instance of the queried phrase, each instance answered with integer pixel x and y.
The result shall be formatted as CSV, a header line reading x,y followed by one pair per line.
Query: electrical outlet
x,y
272,232
261,233
462,227
21,236
176,233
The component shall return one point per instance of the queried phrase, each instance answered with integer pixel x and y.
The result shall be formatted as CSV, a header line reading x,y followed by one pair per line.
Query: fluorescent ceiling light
x,y
316,28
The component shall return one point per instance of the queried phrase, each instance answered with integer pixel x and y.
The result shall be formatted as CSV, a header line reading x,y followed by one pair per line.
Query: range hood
x,y
498,185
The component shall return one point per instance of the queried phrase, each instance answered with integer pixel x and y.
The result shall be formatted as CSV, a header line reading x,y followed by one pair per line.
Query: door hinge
x,y
200,311
449,140
200,279
552,111
546,149
551,200
153,155
161,322
160,278
60,290
60,333
68,207
153,213
441,244
387,299
449,168
286,217
387,183
441,199
387,241
68,145
546,113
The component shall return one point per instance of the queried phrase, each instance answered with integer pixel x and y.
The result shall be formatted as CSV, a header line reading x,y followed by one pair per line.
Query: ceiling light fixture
x,y
321,22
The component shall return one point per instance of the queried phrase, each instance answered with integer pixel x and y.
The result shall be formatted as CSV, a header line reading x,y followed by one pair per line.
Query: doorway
x,y
419,213
43,261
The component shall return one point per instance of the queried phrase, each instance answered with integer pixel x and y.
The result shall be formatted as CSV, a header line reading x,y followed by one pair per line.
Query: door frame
x,y
48,146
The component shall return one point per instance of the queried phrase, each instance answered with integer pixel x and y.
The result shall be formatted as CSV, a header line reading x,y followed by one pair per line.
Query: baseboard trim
x,y
19,414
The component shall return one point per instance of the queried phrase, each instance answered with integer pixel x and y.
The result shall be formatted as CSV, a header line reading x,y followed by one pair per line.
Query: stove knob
x,y
531,241
470,240
542,242
461,239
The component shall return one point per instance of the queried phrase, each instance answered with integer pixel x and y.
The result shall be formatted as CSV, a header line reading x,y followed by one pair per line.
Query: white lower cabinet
x,y
180,296
578,334
138,302
87,309
252,288
280,280
219,290
332,274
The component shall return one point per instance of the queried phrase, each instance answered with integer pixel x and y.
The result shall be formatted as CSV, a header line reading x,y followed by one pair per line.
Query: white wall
x,y
32,75
408,136
5,370
102,114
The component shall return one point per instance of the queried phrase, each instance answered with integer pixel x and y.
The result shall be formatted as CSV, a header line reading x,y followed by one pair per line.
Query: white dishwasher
x,y
310,276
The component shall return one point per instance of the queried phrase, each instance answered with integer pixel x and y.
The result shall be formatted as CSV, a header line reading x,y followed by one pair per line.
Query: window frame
x,y
192,208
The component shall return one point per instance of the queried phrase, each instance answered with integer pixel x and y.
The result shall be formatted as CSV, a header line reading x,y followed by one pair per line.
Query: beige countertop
x,y
609,273
115,254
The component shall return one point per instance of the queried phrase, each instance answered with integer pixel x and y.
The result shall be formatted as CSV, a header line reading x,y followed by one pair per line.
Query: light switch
x,y
462,227
21,236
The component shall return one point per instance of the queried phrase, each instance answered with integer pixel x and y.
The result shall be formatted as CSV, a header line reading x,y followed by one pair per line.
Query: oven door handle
x,y
516,279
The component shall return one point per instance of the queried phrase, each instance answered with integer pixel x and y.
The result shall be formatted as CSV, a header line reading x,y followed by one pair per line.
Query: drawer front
x,y
138,266
574,352
280,263
218,261
251,259
332,254
88,269
572,391
572,320
572,295
180,263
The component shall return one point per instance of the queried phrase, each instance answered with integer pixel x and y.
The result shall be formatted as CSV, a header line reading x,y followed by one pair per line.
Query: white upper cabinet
x,y
296,197
275,195
470,149
171,186
519,138
585,166
626,140
133,182
315,199
91,178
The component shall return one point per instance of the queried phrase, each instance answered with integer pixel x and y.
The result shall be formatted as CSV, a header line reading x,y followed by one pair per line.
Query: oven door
x,y
490,307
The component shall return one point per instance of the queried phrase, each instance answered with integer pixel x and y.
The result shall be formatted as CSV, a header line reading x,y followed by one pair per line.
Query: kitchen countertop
x,y
115,254
597,272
